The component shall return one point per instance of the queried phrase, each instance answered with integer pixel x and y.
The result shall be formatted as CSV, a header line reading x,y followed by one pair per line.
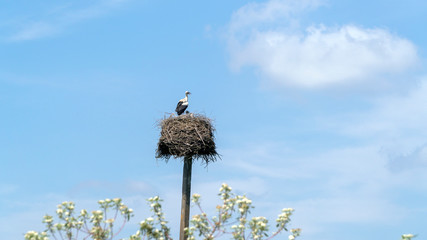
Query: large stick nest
x,y
187,135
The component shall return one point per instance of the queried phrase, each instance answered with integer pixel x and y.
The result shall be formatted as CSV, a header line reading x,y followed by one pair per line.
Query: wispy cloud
x,y
350,185
58,19
6,189
264,14
396,122
34,30
393,116
407,161
105,188
268,36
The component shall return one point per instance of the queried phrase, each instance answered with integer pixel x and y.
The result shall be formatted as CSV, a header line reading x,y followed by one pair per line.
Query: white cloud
x,y
268,37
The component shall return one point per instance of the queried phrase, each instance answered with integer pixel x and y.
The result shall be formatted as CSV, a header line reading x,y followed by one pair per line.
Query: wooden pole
x,y
186,197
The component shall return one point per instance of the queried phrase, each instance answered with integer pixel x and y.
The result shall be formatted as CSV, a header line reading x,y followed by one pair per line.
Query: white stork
x,y
182,104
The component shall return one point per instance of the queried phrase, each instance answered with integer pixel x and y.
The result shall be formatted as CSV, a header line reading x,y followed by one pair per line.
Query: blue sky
x,y
318,106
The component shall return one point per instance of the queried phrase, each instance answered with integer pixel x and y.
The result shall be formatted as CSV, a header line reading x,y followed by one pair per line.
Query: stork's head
x,y
187,93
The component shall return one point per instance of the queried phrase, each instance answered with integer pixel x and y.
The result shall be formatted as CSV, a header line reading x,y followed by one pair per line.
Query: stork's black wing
x,y
180,107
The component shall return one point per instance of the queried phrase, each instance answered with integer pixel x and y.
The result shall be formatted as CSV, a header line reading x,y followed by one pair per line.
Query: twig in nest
x,y
199,136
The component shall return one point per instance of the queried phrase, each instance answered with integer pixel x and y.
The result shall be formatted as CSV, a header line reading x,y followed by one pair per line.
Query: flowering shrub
x,y
155,226
407,236
239,227
97,225
232,218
